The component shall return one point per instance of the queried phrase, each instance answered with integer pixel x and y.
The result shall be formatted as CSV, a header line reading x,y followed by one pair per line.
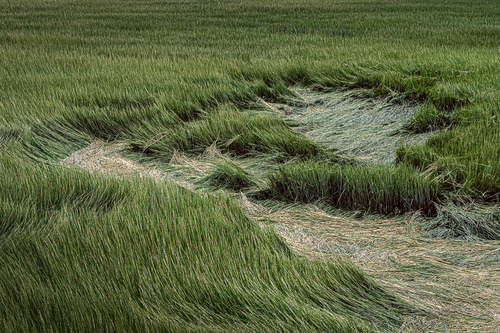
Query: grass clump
x,y
227,174
466,159
370,189
463,222
233,131
428,119
155,257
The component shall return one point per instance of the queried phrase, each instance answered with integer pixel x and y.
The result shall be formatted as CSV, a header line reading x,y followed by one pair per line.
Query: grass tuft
x,y
369,189
428,119
233,131
227,174
466,159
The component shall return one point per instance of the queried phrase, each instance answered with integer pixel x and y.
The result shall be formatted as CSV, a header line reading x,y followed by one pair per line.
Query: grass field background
x,y
163,79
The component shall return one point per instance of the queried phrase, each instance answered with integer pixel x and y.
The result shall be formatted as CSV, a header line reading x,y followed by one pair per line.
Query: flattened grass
x,y
465,222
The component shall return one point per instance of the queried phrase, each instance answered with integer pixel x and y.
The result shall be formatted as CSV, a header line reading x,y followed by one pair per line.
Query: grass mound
x,y
369,189
234,131
228,174
85,252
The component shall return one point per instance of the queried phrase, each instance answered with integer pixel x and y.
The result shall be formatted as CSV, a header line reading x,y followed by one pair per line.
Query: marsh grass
x,y
370,189
455,280
233,131
471,221
365,129
82,251
228,174
465,159
87,252
428,119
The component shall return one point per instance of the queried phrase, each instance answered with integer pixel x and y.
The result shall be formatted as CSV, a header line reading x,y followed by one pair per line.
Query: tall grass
x,y
84,252
88,253
368,189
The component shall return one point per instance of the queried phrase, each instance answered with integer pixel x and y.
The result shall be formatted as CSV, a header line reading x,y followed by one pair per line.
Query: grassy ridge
x,y
84,253
234,131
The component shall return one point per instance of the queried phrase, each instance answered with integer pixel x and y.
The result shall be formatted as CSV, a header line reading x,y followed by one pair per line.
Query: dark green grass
x,y
83,252
369,189
228,174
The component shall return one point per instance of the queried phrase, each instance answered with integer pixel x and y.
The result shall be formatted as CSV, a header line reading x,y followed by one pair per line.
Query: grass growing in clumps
x,y
465,222
233,131
466,159
428,119
81,252
91,253
371,189
227,174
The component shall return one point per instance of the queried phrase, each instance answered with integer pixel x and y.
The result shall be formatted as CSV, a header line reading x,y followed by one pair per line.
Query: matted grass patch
x,y
365,128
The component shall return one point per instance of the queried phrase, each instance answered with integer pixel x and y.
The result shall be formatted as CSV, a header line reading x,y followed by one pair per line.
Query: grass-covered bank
x,y
164,77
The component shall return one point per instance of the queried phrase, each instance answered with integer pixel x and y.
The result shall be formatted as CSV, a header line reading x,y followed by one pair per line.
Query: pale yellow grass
x,y
456,282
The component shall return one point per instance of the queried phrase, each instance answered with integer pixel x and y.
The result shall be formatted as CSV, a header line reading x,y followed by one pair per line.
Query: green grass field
x,y
235,99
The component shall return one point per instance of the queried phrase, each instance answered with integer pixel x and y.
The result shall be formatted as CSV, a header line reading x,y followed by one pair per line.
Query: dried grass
x,y
251,208
367,129
457,282
104,157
